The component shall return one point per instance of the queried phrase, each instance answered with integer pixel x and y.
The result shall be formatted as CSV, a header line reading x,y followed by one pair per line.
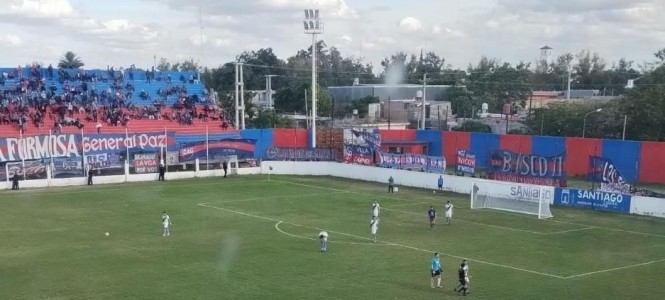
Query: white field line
x,y
274,197
84,189
614,269
409,204
383,242
492,225
330,241
585,226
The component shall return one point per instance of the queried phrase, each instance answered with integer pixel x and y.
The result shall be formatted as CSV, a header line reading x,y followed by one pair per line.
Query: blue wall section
x,y
548,146
625,156
434,140
263,137
482,145
181,139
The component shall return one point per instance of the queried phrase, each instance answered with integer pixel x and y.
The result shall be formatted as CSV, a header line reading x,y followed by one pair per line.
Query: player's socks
x,y
432,282
438,282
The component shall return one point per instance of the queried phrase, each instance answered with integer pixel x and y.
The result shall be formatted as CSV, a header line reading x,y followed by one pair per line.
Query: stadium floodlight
x,y
313,25
526,199
585,116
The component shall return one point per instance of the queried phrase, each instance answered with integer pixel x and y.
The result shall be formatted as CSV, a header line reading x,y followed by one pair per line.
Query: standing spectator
x,y
162,170
99,127
15,181
391,185
90,174
225,166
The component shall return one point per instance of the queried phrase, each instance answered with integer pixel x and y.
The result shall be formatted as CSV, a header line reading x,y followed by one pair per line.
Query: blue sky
x,y
125,32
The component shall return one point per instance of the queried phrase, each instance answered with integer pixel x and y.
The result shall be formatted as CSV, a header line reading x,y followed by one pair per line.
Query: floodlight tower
x,y
313,25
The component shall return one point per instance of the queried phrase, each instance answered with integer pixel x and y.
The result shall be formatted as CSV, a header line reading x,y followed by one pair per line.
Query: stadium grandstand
x,y
40,100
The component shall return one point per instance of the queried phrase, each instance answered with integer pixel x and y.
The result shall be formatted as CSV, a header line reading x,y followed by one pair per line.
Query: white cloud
x,y
410,24
198,39
386,40
40,8
10,40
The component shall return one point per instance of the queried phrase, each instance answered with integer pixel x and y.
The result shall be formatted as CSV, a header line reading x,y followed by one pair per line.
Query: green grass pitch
x,y
253,238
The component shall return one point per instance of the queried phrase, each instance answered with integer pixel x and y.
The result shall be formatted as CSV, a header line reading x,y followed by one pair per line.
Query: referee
x,y
436,271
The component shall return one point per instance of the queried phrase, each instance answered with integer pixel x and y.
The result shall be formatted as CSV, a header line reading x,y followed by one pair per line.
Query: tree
x,y
474,126
70,61
291,99
498,83
164,65
265,118
565,119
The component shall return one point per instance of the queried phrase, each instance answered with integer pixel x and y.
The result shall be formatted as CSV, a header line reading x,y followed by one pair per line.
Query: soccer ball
x,y
433,192
107,234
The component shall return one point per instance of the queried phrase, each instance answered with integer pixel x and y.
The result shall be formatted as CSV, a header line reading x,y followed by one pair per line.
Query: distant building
x,y
260,99
411,110
384,92
546,54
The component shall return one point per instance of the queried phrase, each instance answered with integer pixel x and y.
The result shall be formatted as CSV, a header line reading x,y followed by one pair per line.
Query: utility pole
x,y
570,80
269,99
237,96
422,126
306,111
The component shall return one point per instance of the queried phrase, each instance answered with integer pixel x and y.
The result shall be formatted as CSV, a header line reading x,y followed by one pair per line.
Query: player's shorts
x,y
466,279
436,273
440,186
432,220
462,281
166,226
449,215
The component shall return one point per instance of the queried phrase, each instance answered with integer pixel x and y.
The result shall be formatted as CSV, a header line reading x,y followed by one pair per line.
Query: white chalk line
x,y
274,197
409,204
383,242
494,226
585,226
329,241
88,189
615,269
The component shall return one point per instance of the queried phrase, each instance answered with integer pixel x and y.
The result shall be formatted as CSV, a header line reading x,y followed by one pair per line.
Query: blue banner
x,y
597,200
435,164
603,170
76,145
320,154
362,155
373,139
466,162
506,165
243,148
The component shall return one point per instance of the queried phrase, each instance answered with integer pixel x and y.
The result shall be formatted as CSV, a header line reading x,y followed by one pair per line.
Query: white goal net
x,y
512,197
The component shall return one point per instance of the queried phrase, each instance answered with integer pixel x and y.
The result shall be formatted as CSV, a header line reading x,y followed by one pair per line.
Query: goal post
x,y
512,197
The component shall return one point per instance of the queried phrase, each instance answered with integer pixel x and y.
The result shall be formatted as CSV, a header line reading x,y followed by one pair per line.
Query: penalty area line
x,y
615,269
585,226
383,242
275,197
313,239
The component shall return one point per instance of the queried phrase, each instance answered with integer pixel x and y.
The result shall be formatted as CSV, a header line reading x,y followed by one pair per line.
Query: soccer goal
x,y
512,197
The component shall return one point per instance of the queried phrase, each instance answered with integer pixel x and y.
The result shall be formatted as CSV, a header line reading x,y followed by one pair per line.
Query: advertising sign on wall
x,y
598,200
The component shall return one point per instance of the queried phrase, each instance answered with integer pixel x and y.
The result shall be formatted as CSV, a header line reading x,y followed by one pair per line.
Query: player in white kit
x,y
449,212
375,209
374,227
323,241
166,222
